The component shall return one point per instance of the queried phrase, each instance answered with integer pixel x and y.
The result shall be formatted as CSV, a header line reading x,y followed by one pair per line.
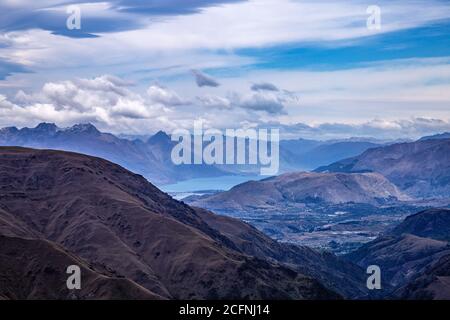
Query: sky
x,y
313,69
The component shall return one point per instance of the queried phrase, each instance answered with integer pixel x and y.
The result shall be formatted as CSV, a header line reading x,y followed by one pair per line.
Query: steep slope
x,y
336,273
413,256
36,269
432,223
117,221
420,168
299,188
401,258
434,283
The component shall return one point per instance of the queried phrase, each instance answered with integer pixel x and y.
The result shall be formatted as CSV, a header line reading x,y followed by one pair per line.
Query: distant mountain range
x,y
445,135
420,169
347,203
309,154
133,241
150,156
414,257
380,175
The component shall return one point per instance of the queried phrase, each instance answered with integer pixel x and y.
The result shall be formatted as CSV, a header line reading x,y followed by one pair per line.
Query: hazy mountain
x,y
413,255
300,188
116,221
326,153
132,137
299,146
151,156
421,168
309,154
150,159
445,135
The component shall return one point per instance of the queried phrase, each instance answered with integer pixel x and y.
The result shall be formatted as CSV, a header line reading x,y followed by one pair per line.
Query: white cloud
x,y
103,100
260,101
4,103
259,23
270,101
398,89
165,96
184,40
109,103
401,89
212,101
377,128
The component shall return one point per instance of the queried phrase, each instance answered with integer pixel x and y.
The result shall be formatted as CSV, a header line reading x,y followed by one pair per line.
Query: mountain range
x,y
133,241
304,154
343,205
151,157
445,135
295,190
421,169
381,175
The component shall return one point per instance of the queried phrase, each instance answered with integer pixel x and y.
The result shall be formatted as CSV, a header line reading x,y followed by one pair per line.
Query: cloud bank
x,y
111,104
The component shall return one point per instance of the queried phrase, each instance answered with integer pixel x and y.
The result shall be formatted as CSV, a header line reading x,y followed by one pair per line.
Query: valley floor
x,y
336,228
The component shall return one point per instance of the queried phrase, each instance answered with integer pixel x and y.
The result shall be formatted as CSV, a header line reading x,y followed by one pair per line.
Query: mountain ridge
x,y
151,156
420,169
152,160
116,220
304,188
413,259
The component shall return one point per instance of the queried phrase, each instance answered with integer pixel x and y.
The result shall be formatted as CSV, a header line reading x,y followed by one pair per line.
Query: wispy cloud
x,y
376,128
264,86
99,17
159,94
213,101
204,80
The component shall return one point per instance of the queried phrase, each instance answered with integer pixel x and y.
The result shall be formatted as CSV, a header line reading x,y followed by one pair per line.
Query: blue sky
x,y
311,68
429,41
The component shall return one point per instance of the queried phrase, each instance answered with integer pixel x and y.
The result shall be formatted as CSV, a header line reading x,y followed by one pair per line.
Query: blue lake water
x,y
202,184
